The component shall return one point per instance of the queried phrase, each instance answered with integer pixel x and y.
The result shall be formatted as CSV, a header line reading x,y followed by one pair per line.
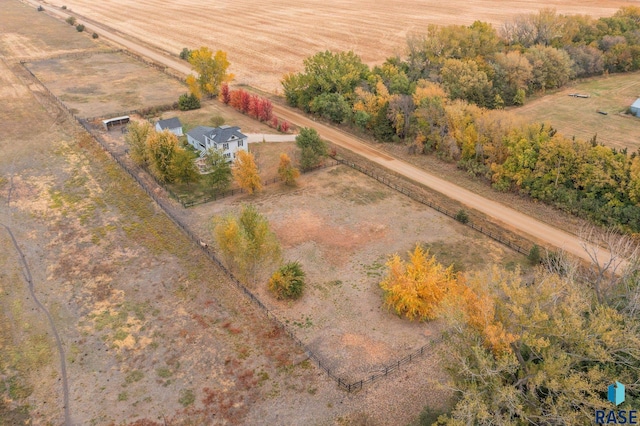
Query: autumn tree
x,y
538,351
162,148
288,174
245,172
288,281
313,148
218,173
136,139
183,167
225,96
247,243
211,72
416,288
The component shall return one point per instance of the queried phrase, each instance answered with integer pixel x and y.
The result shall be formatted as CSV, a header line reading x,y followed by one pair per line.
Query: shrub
x,y
534,256
184,54
462,216
288,281
64,7
94,35
71,20
80,28
40,8
188,102
217,121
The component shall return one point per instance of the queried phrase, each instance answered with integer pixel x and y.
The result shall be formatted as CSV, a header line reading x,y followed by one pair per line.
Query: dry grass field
x,y
101,84
341,226
579,117
265,39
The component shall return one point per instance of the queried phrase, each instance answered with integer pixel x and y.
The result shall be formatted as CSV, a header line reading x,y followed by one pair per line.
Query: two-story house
x,y
228,140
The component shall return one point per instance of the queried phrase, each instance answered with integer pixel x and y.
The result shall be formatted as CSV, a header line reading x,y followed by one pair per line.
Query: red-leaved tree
x,y
266,110
284,126
245,101
274,122
225,96
235,99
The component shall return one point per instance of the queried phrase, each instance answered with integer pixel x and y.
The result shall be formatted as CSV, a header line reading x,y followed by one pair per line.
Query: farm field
x,y
579,117
264,40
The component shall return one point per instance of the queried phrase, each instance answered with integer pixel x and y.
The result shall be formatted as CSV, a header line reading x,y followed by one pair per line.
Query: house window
x,y
240,142
225,146
227,155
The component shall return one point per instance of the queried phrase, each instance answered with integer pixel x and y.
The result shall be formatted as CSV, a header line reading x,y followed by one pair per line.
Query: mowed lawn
x,y
579,117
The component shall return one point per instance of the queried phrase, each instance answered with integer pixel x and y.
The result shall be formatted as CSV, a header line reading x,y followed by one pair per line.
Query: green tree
x,y
464,80
247,243
288,281
551,67
211,70
162,148
136,139
331,106
188,101
314,149
218,170
324,73
183,167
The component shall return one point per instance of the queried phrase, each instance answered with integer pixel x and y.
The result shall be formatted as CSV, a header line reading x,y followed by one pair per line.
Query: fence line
x,y
343,384
422,200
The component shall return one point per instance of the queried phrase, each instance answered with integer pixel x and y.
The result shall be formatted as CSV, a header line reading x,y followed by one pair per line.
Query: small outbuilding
x,y
635,108
171,124
109,123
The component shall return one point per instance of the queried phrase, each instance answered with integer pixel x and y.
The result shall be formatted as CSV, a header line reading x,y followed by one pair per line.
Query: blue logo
x,y
616,393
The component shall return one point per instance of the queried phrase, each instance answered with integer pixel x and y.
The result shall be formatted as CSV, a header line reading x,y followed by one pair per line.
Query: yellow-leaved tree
x,y
288,174
416,288
211,72
245,172
247,243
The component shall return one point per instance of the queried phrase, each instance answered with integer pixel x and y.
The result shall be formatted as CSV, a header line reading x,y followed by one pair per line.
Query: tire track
x,y
26,273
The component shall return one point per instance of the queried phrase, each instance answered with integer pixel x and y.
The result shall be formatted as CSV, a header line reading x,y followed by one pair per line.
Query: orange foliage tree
x,y
288,174
416,288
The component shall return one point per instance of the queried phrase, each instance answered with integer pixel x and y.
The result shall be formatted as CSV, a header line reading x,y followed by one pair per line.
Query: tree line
x,y
540,349
444,98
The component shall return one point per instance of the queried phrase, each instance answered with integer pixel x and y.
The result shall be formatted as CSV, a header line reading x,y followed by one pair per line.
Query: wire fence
x,y
386,181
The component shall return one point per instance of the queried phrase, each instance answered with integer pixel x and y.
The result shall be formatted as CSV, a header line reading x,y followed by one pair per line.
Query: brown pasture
x,y
266,39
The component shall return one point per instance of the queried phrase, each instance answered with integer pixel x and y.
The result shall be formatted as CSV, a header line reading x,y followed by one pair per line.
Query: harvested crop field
x,y
107,83
265,40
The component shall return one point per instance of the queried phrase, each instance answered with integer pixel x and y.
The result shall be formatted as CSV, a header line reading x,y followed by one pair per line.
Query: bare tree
x,y
615,266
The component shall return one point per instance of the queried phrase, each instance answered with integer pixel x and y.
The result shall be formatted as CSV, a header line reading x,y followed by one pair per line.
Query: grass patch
x,y
164,372
187,397
133,376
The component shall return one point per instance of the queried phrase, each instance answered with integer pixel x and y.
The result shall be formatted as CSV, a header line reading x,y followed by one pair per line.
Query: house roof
x,y
225,133
198,133
170,123
636,104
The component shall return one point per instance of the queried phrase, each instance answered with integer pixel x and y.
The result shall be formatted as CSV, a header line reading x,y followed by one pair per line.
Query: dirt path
x,y
26,272
519,222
